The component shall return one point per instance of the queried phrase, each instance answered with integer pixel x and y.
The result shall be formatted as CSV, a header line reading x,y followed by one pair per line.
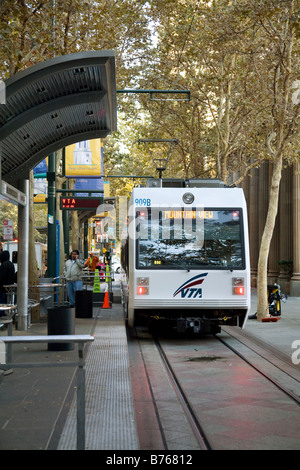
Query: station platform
x,y
38,405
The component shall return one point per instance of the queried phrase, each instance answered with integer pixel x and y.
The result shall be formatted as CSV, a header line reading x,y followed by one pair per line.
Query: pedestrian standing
x,y
92,262
7,276
73,274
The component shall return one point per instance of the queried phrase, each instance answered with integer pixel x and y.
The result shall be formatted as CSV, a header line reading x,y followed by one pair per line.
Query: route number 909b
x,y
143,202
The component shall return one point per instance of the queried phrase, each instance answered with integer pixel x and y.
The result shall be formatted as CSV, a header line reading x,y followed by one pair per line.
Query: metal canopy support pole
x,y
65,214
66,223
51,258
23,233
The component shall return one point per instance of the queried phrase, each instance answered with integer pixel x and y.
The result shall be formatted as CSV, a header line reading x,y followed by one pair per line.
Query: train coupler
x,y
197,325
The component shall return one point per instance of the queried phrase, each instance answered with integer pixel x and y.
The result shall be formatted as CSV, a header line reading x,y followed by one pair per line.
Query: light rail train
x,y
187,255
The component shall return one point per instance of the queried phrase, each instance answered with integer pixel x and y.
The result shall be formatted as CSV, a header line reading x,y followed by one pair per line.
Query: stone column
x,y
285,229
295,280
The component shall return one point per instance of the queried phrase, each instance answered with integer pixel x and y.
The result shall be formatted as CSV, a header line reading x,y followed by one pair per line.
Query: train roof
x,y
181,183
200,193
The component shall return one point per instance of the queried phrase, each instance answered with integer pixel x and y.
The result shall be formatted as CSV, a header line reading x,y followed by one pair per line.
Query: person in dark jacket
x,y
7,275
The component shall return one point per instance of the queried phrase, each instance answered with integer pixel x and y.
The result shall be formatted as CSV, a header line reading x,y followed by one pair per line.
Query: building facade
x,y
284,256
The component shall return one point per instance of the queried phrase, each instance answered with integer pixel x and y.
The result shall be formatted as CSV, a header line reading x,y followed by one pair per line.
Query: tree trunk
x,y
75,230
282,88
262,301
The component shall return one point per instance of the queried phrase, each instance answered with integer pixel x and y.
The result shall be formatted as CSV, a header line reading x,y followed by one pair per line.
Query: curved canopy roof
x,y
54,104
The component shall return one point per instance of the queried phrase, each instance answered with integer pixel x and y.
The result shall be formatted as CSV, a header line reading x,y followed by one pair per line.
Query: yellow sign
x,y
40,198
188,214
84,158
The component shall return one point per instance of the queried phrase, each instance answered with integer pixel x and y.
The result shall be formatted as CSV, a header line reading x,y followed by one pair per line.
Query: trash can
x,y
84,304
46,293
61,321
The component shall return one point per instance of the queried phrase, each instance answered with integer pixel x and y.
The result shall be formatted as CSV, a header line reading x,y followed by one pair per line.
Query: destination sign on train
x,y
192,214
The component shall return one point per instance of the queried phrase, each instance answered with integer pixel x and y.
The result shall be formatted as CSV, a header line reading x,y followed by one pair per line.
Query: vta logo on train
x,y
189,290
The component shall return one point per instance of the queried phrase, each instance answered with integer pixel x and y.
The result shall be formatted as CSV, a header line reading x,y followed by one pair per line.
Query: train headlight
x,y
141,290
188,198
142,285
239,290
238,286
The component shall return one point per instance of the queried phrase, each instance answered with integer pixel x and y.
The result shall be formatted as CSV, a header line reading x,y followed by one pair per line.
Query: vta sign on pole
x,y
8,230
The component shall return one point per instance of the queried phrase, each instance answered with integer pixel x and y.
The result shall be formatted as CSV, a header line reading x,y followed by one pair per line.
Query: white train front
x,y
187,255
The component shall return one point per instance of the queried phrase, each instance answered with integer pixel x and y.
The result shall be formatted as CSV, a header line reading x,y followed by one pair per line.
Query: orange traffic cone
x,y
106,300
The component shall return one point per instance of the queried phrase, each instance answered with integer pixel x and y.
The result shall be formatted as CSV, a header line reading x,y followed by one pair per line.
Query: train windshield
x,y
175,238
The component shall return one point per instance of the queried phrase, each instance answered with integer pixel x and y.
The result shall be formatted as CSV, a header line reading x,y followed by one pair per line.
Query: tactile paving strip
x,y
110,417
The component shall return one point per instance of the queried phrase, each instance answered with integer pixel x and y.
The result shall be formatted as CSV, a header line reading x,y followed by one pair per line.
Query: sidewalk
x,y
282,333
38,407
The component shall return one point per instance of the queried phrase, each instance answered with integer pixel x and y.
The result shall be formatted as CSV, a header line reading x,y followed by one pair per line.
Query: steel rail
x,y
187,407
266,376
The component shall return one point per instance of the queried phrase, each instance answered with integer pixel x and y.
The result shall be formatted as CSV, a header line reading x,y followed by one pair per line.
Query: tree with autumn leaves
x,y
239,59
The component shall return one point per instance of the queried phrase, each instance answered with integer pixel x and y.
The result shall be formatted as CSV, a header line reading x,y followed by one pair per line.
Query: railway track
x,y
195,381
280,361
186,405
